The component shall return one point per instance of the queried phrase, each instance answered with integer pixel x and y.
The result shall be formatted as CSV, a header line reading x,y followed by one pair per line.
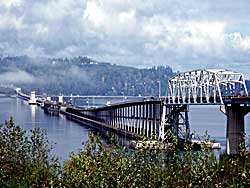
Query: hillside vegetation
x,y
83,76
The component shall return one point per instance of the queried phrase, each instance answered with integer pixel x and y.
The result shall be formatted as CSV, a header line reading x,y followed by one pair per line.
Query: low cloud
x,y
79,74
17,77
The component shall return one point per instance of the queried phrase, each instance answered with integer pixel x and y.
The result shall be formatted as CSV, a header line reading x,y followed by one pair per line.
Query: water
x,y
69,135
65,135
211,119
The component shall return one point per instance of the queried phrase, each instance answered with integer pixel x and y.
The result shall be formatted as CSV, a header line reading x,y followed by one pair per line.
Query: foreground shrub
x,y
97,166
25,160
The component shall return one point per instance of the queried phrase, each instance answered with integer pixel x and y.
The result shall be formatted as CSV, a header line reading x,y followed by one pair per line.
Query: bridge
x,y
220,87
92,100
206,86
155,118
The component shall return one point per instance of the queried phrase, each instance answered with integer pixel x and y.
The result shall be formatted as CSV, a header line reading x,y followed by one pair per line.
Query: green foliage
x,y
25,162
97,166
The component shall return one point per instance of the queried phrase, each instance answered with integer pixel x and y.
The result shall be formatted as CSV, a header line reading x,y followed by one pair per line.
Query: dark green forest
x,y
83,76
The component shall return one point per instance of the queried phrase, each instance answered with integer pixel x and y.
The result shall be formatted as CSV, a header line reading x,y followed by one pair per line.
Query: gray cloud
x,y
17,77
183,34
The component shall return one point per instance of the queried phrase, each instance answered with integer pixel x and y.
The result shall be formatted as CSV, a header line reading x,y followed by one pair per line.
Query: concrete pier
x,y
235,127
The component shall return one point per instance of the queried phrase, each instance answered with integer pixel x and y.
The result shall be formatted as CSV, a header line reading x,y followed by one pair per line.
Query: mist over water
x,y
67,136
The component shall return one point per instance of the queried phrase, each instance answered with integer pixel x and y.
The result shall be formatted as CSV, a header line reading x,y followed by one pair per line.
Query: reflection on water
x,y
68,135
33,112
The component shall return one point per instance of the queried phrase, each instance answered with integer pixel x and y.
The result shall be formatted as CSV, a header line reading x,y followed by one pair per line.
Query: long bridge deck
x,y
139,118
155,118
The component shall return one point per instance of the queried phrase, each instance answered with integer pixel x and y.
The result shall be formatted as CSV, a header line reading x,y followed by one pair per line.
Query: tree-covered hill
x,y
82,75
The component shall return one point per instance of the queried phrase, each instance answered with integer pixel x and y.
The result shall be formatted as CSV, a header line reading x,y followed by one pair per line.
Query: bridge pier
x,y
235,127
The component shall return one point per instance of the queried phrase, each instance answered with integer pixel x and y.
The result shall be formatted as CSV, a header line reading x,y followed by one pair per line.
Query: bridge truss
x,y
174,120
205,86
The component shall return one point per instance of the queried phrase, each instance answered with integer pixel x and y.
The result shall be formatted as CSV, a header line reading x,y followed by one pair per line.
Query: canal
x,y
67,136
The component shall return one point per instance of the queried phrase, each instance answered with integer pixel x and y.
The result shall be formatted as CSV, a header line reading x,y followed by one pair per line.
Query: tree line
x,y
83,76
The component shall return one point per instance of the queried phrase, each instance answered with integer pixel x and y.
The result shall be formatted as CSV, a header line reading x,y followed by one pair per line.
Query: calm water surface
x,y
68,136
65,135
211,119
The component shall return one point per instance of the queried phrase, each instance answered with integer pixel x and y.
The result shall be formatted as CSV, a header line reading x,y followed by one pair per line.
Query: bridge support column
x,y
235,127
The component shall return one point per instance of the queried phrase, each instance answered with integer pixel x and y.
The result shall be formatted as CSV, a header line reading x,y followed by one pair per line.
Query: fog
x,y
17,77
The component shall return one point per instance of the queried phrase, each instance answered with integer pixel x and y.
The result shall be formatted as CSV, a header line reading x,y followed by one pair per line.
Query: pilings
x,y
235,127
138,118
142,118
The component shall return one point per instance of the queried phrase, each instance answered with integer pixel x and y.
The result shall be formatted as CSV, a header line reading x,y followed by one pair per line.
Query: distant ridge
x,y
82,75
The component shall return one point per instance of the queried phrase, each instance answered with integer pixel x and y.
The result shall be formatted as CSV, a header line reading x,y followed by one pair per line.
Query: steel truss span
x,y
205,86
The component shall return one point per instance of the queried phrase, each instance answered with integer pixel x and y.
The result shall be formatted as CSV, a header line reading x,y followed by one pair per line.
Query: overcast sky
x,y
184,34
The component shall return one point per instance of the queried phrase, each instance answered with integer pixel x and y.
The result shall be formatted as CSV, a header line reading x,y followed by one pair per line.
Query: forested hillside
x,y
83,76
